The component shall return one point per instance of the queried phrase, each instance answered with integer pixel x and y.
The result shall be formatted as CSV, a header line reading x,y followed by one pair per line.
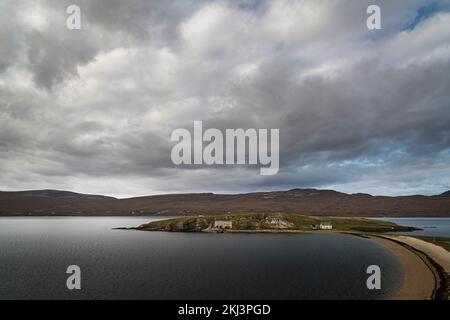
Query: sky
x,y
92,110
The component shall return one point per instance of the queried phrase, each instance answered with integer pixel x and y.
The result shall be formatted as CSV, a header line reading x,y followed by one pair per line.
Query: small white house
x,y
325,226
322,226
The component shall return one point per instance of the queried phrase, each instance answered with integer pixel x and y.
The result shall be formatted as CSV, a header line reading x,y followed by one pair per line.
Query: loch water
x,y
125,264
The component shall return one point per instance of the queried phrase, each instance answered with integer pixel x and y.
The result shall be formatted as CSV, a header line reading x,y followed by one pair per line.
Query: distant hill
x,y
300,201
445,194
47,193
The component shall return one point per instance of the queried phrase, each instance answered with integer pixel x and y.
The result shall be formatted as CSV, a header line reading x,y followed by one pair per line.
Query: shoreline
x,y
425,271
426,266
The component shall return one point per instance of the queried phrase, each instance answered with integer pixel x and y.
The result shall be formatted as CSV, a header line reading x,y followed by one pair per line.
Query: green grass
x,y
346,224
263,222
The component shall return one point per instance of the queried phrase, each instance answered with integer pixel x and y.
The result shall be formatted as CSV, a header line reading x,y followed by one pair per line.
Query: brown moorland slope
x,y
301,201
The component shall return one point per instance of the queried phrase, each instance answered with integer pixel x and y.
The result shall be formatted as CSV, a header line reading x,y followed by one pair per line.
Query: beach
x,y
425,267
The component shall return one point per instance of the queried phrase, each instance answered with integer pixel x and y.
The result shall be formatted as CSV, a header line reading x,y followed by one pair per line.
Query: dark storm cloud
x,y
92,110
53,59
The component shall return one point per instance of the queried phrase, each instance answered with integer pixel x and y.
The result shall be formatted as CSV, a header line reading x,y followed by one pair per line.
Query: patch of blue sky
x,y
423,13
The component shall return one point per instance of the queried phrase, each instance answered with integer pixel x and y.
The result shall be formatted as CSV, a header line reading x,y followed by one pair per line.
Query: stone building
x,y
222,224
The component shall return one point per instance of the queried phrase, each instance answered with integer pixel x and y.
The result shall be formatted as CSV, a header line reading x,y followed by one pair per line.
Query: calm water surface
x,y
118,264
436,227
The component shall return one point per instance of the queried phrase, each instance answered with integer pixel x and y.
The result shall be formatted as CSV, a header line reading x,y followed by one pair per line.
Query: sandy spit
x,y
425,266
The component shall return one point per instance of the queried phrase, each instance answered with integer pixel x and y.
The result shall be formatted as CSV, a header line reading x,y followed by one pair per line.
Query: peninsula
x,y
277,222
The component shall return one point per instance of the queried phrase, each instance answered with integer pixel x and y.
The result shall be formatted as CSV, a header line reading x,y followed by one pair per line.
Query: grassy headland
x,y
270,222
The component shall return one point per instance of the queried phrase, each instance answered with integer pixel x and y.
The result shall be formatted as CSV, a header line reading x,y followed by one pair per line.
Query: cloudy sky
x,y
92,110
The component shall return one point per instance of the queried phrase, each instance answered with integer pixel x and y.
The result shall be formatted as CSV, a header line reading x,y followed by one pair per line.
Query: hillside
x,y
300,201
49,194
445,194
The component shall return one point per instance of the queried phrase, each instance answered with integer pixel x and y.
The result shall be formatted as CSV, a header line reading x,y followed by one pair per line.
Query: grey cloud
x,y
95,108
53,59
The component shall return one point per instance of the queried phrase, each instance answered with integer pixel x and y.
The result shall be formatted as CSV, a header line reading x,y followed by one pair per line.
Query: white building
x,y
325,226
322,226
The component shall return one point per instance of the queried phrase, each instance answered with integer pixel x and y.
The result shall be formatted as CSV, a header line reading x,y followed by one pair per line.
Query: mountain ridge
x,y
51,193
445,194
299,201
